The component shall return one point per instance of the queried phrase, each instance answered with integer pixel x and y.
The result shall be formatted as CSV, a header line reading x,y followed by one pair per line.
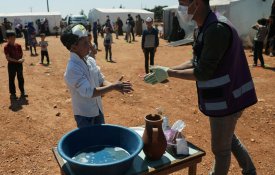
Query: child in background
x,y
32,38
128,31
84,80
150,42
25,34
33,43
44,49
108,40
93,49
259,41
14,54
116,30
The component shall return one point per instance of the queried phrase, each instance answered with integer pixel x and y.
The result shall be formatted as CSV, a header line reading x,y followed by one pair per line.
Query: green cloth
x,y
217,38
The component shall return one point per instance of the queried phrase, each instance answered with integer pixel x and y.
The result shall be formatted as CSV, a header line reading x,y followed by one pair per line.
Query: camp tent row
x,y
54,18
242,13
100,13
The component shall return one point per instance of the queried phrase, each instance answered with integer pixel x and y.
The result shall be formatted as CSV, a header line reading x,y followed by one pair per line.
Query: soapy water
x,y
101,155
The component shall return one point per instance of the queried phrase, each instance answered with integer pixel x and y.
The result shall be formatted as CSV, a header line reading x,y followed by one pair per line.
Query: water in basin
x,y
101,155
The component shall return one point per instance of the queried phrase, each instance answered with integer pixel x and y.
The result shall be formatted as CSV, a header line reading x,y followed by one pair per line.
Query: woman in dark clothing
x,y
120,25
271,33
95,34
273,8
139,23
271,29
175,28
1,35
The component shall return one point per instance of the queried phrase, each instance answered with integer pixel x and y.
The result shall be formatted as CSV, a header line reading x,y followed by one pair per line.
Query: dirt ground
x,y
31,128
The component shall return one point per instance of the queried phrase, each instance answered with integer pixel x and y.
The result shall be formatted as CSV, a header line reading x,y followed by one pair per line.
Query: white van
x,y
77,19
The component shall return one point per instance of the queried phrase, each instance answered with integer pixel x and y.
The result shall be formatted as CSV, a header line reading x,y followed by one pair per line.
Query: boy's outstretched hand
x,y
123,86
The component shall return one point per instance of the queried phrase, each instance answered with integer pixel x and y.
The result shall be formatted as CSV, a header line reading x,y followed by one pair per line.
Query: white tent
x,y
54,18
167,19
99,13
242,13
168,22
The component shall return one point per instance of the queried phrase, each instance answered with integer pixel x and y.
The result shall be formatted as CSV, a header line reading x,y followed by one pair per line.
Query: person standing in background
x,y
120,25
93,49
149,43
108,40
139,23
95,34
271,30
131,21
14,56
25,34
270,35
6,25
44,49
32,38
1,35
259,41
128,37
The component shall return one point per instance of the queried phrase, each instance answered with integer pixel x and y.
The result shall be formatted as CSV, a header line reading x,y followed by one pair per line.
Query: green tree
x,y
158,11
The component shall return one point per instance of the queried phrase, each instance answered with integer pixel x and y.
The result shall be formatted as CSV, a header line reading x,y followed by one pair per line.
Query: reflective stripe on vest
x,y
243,89
214,82
216,106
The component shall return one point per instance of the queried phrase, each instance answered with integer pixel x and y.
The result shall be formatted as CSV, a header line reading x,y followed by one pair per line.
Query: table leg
x,y
192,170
62,172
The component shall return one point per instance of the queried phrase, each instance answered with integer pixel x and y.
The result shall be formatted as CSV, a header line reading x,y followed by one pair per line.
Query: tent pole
x,y
48,5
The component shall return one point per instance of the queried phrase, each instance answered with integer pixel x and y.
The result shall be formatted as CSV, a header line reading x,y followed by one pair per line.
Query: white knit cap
x,y
149,19
79,30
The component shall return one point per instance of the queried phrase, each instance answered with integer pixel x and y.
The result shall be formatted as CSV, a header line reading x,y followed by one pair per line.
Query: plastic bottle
x,y
182,147
165,122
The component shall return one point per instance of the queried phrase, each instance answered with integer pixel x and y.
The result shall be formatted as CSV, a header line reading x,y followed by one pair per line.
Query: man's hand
x,y
158,75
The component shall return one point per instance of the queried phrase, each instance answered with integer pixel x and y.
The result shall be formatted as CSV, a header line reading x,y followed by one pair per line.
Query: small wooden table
x,y
141,166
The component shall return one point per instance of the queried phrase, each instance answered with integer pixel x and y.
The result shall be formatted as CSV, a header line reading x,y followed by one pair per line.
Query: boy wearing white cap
x,y
150,42
84,79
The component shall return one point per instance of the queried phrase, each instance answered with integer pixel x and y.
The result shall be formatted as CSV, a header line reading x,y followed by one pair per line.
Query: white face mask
x,y
183,14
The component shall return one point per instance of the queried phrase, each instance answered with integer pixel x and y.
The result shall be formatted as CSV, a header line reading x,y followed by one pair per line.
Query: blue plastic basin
x,y
117,136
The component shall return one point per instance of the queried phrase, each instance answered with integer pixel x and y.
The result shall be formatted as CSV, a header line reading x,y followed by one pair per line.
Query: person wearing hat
x,y
224,83
14,56
149,43
84,79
